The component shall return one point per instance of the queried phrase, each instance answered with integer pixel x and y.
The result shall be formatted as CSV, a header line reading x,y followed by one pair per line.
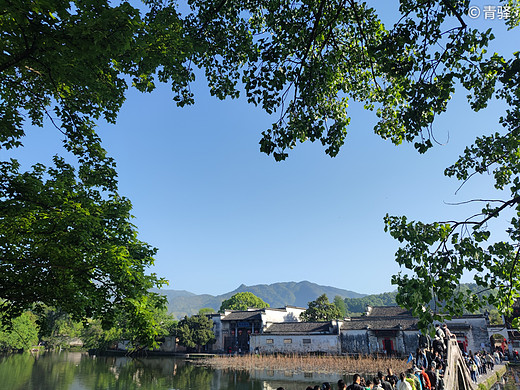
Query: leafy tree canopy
x,y
195,331
340,304
22,334
70,63
242,301
321,310
65,245
206,310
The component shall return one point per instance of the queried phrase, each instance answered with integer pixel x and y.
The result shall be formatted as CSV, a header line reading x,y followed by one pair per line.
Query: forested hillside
x,y
299,294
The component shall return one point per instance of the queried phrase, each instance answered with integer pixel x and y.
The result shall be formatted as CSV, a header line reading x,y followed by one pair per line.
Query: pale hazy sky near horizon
x,y
221,213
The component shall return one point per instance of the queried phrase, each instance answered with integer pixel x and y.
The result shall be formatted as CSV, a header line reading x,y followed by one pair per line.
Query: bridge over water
x,y
457,375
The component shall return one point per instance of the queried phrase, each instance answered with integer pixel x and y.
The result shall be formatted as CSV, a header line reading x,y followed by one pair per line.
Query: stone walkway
x,y
491,375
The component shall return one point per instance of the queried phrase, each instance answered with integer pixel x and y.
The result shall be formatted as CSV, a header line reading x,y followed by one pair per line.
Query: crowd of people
x,y
482,361
405,381
428,367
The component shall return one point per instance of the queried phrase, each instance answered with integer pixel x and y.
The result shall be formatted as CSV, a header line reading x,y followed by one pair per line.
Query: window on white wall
x,y
287,341
306,341
269,341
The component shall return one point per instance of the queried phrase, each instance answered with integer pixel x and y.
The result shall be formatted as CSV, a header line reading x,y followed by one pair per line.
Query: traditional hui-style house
x,y
299,337
233,328
387,330
391,330
471,331
384,330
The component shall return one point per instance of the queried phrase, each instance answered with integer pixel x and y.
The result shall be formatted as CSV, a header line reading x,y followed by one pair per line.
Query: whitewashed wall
x,y
318,343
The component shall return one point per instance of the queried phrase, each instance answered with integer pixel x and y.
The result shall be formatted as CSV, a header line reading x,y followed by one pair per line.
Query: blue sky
x,y
222,213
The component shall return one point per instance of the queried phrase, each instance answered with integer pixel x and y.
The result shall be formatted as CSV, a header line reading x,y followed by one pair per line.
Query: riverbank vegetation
x,y
54,329
307,363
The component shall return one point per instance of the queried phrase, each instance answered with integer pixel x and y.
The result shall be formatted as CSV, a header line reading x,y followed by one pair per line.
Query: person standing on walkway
x,y
496,355
391,377
439,332
356,380
421,360
402,384
377,384
384,384
432,376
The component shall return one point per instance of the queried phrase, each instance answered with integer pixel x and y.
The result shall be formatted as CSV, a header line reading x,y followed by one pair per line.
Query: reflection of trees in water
x,y
127,373
24,371
52,371
239,379
189,376
15,371
143,374
509,381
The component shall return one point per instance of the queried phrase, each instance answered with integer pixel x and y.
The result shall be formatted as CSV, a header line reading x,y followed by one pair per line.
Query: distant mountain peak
x,y
280,294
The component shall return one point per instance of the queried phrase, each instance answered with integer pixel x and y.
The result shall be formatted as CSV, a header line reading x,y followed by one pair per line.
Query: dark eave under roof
x,y
299,328
380,323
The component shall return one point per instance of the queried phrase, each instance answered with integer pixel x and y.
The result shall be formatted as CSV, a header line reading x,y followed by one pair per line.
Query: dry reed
x,y
308,363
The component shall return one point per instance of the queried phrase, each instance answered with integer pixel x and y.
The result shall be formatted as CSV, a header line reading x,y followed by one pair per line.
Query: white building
x,y
234,328
299,337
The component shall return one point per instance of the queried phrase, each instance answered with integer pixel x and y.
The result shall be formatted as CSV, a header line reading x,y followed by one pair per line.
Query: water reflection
x,y
510,381
77,371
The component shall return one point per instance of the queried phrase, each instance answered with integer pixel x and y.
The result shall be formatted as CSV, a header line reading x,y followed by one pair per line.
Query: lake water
x,y
79,371
510,381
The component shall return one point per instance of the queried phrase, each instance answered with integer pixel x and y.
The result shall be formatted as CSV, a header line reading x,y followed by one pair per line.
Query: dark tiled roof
x,y
458,326
380,323
513,335
388,311
299,327
243,315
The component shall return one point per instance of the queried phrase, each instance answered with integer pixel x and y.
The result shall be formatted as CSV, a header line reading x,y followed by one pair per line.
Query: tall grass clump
x,y
308,363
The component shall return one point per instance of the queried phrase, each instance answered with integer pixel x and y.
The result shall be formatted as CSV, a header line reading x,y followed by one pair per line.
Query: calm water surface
x,y
78,371
510,381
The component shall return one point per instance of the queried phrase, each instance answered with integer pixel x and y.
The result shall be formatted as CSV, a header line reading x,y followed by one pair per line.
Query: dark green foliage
x,y
321,310
21,335
64,244
195,331
340,304
242,301
359,305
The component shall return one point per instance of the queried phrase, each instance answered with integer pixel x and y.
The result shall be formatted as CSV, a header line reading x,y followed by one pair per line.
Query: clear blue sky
x,y
222,213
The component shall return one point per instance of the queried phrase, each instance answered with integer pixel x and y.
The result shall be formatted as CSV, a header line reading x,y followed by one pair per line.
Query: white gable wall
x,y
266,343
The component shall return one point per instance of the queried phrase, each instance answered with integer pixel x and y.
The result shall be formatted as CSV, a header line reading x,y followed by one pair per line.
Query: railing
x,y
456,375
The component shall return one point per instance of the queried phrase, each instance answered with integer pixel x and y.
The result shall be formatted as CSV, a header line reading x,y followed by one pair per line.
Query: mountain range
x,y
181,302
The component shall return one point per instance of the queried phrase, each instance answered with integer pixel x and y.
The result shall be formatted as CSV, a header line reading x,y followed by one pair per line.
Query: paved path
x,y
490,373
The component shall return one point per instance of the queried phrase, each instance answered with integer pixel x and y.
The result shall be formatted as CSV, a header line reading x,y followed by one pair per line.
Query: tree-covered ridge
x,y
358,306
181,303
